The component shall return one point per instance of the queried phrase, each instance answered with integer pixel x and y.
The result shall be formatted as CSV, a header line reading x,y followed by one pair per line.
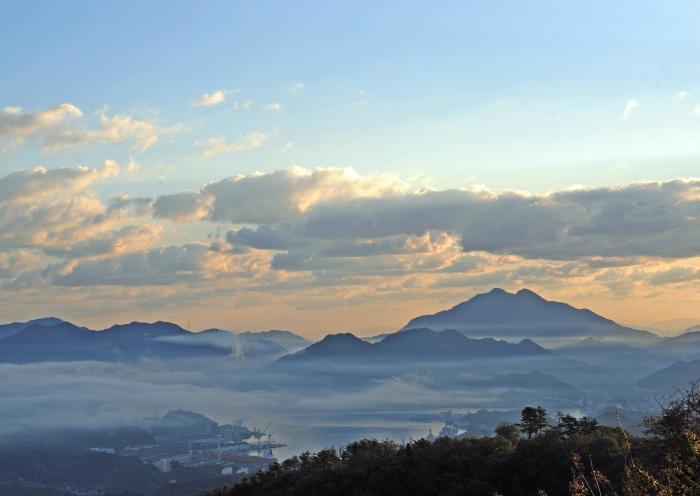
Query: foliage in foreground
x,y
576,457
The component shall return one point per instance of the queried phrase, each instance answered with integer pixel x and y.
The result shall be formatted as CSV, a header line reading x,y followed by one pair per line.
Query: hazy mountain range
x,y
534,334
413,345
52,339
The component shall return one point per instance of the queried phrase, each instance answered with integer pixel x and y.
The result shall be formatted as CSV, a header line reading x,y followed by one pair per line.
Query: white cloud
x,y
158,266
110,130
696,110
16,125
296,87
214,98
218,145
310,232
26,185
243,105
680,95
283,194
53,212
315,210
630,107
275,107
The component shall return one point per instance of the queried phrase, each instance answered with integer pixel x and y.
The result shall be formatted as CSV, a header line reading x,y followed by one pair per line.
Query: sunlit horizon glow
x,y
247,172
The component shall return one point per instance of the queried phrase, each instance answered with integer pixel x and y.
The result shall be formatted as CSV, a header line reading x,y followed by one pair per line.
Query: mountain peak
x,y
155,329
527,293
524,314
345,338
498,291
50,333
333,345
413,345
46,321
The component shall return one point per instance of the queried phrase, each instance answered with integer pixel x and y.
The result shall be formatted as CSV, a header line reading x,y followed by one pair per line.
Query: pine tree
x,y
533,420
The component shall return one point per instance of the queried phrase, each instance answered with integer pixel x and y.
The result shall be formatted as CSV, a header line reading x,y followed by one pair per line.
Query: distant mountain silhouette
x,y
499,313
413,345
60,342
52,339
286,339
685,346
182,423
7,330
596,345
633,423
532,379
620,361
676,376
255,344
128,342
535,381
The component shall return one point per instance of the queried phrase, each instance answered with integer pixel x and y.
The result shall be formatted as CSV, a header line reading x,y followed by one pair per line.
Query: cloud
x,y
110,130
301,207
128,239
25,185
152,267
243,105
630,107
675,274
14,262
139,206
317,237
696,110
182,206
16,125
296,87
641,219
680,95
210,99
59,129
52,211
263,238
219,145
275,107
284,194
168,265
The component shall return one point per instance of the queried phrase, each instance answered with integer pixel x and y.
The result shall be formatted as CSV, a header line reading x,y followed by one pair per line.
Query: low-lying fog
x,y
94,395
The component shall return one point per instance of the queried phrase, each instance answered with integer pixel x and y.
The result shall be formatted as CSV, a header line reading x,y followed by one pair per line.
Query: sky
x,y
324,166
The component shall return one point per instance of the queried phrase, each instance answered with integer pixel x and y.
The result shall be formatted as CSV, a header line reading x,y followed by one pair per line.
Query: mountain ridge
x,y
526,314
63,341
413,344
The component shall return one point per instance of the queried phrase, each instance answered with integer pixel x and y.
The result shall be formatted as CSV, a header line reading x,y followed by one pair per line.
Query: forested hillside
x,y
573,456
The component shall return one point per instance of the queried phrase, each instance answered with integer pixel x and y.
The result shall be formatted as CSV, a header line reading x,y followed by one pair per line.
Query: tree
x,y
571,426
533,420
508,431
588,425
675,433
568,424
